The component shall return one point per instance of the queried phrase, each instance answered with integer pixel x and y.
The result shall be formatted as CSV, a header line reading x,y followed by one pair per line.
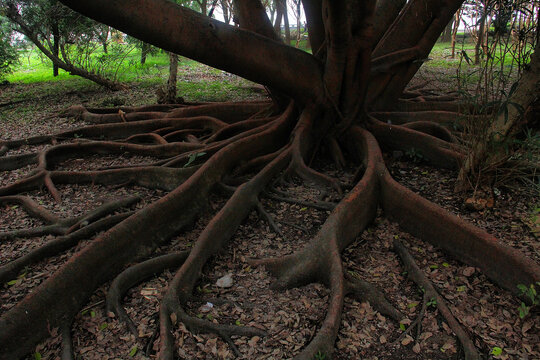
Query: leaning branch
x,y
188,33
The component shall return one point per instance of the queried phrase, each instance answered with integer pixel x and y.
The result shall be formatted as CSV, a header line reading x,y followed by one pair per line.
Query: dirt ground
x,y
489,314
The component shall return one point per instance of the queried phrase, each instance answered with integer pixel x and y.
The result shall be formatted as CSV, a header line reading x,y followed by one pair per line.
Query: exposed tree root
x,y
134,275
53,247
247,146
64,226
430,293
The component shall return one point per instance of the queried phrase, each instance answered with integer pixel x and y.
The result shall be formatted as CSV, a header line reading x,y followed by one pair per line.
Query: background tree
x,y
63,36
8,52
349,99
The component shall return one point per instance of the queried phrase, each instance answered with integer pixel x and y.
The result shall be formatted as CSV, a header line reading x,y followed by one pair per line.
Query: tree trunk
x,y
337,99
173,75
447,33
457,21
279,16
480,35
286,22
56,46
145,49
225,10
298,24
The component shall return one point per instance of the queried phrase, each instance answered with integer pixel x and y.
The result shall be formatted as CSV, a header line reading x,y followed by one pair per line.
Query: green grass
x,y
197,82
35,68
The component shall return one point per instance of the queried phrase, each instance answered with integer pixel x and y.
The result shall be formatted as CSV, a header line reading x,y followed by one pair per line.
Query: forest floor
x,y
489,314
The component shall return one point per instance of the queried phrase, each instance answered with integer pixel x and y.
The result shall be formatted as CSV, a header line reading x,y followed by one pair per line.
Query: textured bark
x,y
202,147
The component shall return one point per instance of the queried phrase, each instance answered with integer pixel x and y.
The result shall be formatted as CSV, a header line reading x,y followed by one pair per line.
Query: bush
x,y
8,52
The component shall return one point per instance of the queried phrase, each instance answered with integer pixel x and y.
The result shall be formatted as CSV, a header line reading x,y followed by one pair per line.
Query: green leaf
x,y
238,323
14,207
92,313
496,351
303,209
523,288
445,264
193,157
434,266
37,356
461,288
209,317
523,310
411,305
200,316
133,351
12,282
402,326
103,326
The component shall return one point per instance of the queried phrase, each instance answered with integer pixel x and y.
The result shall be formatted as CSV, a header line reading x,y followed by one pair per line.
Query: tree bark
x,y
171,82
447,33
481,34
251,144
56,46
184,31
457,21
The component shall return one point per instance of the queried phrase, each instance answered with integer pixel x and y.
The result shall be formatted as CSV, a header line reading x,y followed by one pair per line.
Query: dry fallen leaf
x,y
408,339
468,271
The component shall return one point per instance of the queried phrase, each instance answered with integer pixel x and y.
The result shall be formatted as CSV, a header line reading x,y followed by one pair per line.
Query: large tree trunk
x,y
340,98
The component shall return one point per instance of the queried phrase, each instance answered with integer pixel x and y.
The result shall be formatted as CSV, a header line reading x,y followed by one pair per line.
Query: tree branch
x,y
187,33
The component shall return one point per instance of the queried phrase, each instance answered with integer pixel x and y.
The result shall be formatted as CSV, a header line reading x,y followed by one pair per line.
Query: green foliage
x,y
320,356
532,295
133,351
414,154
8,52
193,157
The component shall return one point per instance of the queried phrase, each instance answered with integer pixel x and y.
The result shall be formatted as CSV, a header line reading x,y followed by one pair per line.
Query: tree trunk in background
x,y
286,22
447,33
279,16
173,75
145,49
457,21
225,10
480,35
56,46
298,24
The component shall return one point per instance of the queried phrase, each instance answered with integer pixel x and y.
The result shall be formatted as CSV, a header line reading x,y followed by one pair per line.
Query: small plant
x,y
193,157
320,356
414,154
432,302
528,292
